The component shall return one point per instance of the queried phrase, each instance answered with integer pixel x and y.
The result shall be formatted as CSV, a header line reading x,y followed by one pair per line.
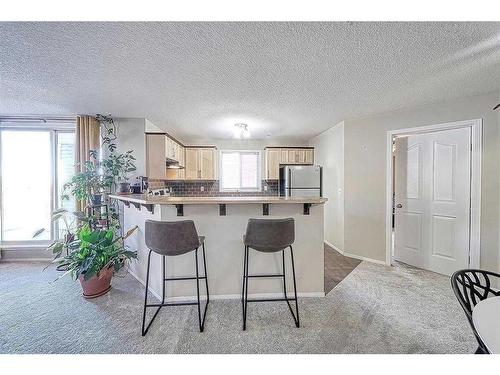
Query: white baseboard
x,y
351,255
376,261
225,296
35,254
341,252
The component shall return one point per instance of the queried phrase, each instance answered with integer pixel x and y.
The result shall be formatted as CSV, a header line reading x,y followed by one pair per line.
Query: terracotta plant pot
x,y
97,285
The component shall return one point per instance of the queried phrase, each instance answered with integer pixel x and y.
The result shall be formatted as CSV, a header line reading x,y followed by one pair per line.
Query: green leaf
x,y
38,232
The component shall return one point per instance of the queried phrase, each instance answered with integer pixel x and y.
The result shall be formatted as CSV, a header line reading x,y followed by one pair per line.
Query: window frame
x,y
53,128
240,189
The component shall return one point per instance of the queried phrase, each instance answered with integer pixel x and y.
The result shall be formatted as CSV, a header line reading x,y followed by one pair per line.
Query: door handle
x,y
399,205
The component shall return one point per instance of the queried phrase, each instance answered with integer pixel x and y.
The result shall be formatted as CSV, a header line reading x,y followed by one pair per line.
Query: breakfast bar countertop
x,y
161,199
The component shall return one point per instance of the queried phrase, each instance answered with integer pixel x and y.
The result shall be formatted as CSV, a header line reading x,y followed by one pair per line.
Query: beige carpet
x,y
373,310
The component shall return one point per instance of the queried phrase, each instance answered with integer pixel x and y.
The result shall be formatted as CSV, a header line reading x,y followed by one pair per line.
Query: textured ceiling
x,y
290,80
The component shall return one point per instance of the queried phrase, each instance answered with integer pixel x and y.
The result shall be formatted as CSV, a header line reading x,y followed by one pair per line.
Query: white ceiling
x,y
290,80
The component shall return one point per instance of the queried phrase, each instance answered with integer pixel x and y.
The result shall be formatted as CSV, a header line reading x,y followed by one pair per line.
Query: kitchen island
x,y
223,220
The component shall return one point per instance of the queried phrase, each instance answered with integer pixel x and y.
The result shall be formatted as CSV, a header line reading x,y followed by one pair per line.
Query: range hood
x,y
173,164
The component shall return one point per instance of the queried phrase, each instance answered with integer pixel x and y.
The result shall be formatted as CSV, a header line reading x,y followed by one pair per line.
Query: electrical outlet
x,y
202,188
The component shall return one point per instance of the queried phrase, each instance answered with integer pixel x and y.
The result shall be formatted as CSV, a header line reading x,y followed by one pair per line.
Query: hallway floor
x,y
337,267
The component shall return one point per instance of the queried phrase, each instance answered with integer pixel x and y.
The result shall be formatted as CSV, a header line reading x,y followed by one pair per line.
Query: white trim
x,y
475,195
224,296
350,255
28,254
476,126
53,130
341,252
359,257
25,246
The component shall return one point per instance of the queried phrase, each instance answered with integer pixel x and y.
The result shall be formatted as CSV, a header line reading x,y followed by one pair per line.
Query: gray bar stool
x,y
269,236
171,239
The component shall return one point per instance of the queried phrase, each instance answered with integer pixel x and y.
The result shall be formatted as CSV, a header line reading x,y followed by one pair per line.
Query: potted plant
x,y
65,242
117,167
96,256
87,185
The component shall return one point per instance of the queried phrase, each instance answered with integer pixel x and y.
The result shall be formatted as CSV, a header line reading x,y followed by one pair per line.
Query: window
x,y
240,171
35,163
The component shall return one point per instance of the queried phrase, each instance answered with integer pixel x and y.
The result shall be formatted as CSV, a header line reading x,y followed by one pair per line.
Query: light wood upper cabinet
x,y
173,150
207,165
286,155
292,157
272,163
181,173
155,156
200,163
309,156
192,167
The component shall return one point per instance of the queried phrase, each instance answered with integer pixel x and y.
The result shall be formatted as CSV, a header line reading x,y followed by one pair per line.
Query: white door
x,y
432,200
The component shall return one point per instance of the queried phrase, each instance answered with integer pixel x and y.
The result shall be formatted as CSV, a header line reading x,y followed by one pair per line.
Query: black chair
x,y
470,288
171,239
269,236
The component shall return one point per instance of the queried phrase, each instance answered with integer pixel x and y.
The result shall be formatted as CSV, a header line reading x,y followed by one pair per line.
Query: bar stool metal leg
x,y
173,239
284,273
245,304
201,321
295,317
164,266
243,280
246,276
206,276
198,289
145,329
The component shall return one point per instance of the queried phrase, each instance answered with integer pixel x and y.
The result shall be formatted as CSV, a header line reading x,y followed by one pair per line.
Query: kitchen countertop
x,y
161,199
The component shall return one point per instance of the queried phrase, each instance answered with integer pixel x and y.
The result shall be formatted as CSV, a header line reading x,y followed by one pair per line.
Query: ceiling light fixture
x,y
241,131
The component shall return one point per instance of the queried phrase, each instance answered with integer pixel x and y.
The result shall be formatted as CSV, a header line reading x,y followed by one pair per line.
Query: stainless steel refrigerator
x,y
301,181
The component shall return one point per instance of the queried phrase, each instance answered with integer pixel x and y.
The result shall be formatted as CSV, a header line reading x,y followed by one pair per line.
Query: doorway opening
x,y
433,197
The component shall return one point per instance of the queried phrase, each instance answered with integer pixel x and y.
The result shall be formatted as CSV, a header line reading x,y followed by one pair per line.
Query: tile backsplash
x,y
210,188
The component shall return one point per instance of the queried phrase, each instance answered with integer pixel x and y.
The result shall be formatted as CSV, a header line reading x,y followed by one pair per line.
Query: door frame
x,y
476,126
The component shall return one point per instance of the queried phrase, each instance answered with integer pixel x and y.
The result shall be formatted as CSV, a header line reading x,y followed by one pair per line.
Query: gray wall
x,y
130,132
329,153
365,172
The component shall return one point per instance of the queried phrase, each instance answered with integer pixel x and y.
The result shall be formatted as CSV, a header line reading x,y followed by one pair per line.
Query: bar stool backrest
x,y
171,237
471,287
270,235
